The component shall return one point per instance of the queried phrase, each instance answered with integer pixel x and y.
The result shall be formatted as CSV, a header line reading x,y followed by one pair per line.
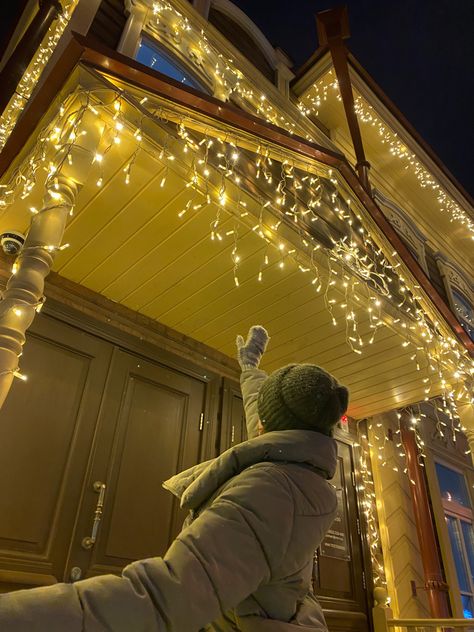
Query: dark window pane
x,y
465,312
152,56
455,539
453,485
468,535
468,610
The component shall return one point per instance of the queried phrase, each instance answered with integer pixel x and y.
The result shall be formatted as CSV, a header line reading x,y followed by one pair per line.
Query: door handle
x,y
89,541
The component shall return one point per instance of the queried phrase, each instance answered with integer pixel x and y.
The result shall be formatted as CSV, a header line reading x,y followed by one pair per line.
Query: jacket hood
x,y
286,446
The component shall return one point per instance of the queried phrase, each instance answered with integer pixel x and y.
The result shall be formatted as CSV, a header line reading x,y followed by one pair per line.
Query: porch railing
x,y
384,622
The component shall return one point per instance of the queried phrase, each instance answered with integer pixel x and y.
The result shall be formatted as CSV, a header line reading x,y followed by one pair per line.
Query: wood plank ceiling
x,y
128,243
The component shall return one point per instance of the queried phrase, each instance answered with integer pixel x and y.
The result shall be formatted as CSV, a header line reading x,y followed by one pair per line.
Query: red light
x,y
344,420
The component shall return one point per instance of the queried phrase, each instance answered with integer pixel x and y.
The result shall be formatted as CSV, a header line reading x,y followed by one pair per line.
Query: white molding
x,y
130,38
405,226
454,277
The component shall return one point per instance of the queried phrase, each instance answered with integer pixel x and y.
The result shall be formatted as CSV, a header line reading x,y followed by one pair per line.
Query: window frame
x,y
447,456
405,227
455,281
174,60
460,514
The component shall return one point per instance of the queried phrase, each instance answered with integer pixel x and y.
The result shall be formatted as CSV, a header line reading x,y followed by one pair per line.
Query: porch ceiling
x,y
132,242
128,243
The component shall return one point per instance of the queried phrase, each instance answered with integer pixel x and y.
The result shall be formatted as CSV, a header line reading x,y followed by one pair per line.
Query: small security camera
x,y
12,242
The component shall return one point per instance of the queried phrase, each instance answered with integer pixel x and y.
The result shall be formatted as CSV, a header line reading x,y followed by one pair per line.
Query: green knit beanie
x,y
303,397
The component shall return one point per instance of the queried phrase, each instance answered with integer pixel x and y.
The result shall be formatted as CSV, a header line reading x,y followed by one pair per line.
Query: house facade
x,y
176,181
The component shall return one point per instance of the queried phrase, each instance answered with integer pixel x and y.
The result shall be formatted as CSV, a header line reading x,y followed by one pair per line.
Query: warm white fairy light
x,y
34,70
319,93
367,499
353,261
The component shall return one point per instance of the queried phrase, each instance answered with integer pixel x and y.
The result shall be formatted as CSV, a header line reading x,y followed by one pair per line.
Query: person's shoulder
x,y
264,479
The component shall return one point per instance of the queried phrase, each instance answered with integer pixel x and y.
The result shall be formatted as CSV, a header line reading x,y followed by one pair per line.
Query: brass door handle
x,y
89,541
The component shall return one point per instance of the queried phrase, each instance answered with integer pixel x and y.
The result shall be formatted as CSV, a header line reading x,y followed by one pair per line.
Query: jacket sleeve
x,y
220,559
250,382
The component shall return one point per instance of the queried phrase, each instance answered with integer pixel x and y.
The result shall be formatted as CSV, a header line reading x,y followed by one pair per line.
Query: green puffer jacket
x,y
243,562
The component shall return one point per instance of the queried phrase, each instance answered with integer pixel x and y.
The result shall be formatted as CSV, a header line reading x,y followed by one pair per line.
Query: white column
x,y
24,291
130,38
283,73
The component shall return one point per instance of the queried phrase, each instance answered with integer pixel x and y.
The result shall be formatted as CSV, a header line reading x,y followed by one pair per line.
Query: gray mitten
x,y
250,352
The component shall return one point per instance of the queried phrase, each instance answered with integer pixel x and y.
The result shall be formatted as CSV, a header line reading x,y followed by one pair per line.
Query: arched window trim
x,y
455,282
405,227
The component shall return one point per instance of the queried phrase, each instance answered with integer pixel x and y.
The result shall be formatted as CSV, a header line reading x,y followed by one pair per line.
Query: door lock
x,y
75,574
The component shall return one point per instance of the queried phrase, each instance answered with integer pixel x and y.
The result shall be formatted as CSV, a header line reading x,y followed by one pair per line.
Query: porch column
x,y
130,39
24,291
466,415
435,586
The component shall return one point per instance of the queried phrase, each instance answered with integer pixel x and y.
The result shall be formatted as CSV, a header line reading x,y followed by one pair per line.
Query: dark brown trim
x,y
405,123
19,60
435,585
391,107
333,29
110,62
14,20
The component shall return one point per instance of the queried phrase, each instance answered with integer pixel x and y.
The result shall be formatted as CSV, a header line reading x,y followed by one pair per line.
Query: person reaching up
x,y
243,562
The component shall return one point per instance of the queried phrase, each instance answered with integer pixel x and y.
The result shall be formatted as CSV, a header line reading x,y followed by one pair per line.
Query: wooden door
x,y
150,427
233,427
339,577
46,431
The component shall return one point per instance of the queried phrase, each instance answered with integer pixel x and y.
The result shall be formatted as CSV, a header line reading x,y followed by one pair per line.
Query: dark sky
x,y
420,52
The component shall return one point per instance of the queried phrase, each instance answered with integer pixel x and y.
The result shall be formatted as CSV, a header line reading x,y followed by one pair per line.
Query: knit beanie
x,y
303,397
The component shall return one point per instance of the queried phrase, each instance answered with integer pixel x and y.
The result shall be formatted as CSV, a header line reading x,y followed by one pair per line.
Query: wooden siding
x,y
397,522
109,23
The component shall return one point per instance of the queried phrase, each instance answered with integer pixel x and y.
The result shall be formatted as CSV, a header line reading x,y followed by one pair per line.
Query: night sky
x,y
420,52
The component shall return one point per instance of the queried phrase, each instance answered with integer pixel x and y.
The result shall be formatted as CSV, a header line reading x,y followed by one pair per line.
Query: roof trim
x,y
370,82
81,49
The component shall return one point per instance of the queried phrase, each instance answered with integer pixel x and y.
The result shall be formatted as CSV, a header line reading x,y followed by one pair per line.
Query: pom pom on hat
x,y
303,397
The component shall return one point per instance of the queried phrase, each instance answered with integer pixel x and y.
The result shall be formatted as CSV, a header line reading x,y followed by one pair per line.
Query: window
x,y
464,312
460,293
406,228
459,516
154,56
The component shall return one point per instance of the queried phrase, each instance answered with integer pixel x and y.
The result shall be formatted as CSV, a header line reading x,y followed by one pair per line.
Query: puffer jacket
x,y
243,562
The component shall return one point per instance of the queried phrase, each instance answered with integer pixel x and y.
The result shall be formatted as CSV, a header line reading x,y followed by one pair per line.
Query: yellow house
x,y
182,183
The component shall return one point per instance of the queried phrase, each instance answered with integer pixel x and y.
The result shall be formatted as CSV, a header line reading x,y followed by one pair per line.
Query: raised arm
x,y
212,566
249,354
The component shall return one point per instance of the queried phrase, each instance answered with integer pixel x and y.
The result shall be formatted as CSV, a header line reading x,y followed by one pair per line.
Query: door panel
x,y
46,430
149,429
338,571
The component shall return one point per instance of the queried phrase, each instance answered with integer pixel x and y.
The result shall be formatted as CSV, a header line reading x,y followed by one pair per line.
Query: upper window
x,y
154,56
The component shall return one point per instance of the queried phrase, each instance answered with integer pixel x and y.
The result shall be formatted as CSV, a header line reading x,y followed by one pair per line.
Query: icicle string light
x,y
211,166
319,93
33,73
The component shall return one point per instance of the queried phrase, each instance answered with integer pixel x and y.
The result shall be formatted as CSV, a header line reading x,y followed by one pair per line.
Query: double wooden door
x,y
85,444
